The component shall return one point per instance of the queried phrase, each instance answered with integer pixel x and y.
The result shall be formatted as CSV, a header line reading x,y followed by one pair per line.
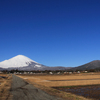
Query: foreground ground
x,y
22,90
40,87
46,82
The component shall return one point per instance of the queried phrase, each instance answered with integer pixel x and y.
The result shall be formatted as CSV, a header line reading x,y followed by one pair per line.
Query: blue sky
x,y
51,32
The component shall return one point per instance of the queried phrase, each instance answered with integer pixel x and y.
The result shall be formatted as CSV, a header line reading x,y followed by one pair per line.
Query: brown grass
x,y
44,82
5,87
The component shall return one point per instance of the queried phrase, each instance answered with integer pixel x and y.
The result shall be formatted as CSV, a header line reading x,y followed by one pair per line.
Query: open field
x,y
64,80
46,82
5,85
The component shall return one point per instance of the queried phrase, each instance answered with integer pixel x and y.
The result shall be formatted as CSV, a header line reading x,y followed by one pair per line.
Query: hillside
x,y
91,65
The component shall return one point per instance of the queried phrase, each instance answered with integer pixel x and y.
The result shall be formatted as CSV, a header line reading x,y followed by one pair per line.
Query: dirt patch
x,y
90,91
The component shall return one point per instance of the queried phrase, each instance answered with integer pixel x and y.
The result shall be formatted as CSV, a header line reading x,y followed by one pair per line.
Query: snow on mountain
x,y
17,61
22,62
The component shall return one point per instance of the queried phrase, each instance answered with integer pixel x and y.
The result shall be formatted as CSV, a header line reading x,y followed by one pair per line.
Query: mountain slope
x,y
91,65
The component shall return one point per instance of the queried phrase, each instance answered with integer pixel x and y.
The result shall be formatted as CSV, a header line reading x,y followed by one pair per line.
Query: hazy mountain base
x,y
42,69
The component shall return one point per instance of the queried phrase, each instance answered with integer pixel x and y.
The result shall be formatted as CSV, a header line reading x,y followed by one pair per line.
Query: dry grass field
x,y
64,80
5,85
46,82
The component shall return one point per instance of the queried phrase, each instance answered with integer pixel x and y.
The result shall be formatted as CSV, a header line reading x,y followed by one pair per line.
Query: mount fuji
x,y
22,62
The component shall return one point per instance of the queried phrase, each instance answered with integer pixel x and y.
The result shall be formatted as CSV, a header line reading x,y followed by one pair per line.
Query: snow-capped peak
x,y
17,61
